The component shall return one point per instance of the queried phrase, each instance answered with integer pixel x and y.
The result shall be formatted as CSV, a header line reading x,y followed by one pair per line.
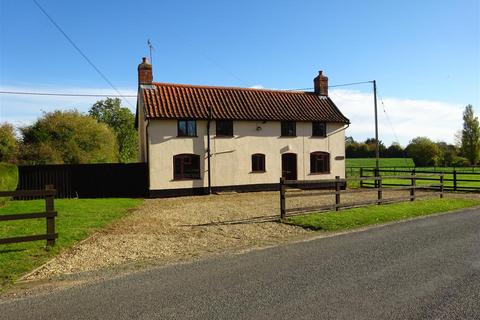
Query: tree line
x,y
105,134
424,151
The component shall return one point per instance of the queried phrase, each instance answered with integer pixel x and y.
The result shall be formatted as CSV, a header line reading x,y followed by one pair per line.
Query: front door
x,y
289,166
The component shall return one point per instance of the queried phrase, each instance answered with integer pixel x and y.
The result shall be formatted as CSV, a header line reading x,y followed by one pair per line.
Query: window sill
x,y
319,136
185,179
287,136
318,173
223,137
258,171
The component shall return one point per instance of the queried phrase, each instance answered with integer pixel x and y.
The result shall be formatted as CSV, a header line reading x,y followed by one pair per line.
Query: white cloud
x,y
21,110
402,120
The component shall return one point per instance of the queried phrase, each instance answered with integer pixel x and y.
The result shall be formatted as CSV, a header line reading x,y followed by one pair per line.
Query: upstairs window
x,y
289,129
319,129
258,162
186,167
224,128
187,128
319,162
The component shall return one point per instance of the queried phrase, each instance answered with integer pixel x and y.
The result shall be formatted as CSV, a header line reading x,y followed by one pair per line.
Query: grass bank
x,y
8,179
77,219
358,217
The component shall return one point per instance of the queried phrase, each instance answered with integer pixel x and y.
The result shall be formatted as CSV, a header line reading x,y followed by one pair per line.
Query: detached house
x,y
200,138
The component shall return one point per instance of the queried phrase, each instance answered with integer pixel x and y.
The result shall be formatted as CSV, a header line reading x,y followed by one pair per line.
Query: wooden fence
x,y
104,180
49,214
353,171
455,179
289,189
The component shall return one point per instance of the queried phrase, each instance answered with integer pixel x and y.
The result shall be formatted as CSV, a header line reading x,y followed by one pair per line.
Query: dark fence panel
x,y
106,180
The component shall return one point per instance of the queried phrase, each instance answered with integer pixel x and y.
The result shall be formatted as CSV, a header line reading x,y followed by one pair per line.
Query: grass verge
x,y
358,217
77,219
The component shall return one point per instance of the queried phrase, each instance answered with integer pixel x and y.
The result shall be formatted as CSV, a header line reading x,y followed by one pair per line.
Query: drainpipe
x,y
208,150
147,146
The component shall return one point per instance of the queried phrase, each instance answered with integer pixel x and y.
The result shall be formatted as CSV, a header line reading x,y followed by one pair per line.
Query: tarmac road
x,y
421,269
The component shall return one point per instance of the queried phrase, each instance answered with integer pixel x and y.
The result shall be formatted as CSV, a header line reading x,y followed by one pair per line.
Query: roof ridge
x,y
229,87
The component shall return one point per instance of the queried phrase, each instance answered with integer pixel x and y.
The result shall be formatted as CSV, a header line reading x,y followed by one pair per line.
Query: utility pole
x,y
377,146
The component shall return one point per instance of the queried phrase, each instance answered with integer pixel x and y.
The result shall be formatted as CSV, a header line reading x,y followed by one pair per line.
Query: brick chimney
x,y
320,84
145,75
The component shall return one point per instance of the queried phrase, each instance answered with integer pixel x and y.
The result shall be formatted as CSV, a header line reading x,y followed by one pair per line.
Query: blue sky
x,y
416,50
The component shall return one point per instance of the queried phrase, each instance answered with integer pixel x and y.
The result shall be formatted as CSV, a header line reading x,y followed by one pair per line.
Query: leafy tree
x,y
349,140
122,121
448,152
67,137
470,135
8,143
371,146
394,151
423,151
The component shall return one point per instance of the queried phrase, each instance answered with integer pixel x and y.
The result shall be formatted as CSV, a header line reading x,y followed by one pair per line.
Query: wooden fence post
x,y
361,176
50,207
379,191
441,185
412,185
454,180
282,198
337,193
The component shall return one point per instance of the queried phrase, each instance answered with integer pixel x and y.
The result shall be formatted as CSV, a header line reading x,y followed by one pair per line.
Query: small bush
x,y
460,162
8,179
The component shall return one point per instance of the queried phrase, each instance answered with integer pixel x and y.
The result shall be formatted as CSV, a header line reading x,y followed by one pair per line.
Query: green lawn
x,y
77,219
8,179
358,217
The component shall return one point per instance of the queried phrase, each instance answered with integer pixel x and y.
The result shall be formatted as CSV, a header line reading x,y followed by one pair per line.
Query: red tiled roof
x,y
176,101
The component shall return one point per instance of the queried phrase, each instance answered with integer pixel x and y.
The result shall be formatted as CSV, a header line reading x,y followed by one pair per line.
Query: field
x,y
77,219
384,162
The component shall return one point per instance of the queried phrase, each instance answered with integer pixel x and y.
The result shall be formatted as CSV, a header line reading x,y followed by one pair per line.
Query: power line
x,y
67,94
333,86
130,96
79,50
350,84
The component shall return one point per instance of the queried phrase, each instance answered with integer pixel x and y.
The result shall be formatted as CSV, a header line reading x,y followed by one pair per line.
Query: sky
x,y
424,55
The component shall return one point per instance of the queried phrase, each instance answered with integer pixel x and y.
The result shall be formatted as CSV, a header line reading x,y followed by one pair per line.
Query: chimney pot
x,y
145,75
320,84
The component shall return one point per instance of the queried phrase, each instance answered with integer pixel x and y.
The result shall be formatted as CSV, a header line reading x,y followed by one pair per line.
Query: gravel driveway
x,y
184,228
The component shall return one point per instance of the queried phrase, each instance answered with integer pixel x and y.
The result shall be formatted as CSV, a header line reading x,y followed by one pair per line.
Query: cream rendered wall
x,y
231,157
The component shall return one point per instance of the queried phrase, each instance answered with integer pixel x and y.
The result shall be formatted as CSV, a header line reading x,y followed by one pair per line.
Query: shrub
x,y
68,137
460,162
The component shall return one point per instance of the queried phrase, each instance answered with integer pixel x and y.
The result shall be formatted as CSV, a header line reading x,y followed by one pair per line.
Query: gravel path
x,y
179,229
